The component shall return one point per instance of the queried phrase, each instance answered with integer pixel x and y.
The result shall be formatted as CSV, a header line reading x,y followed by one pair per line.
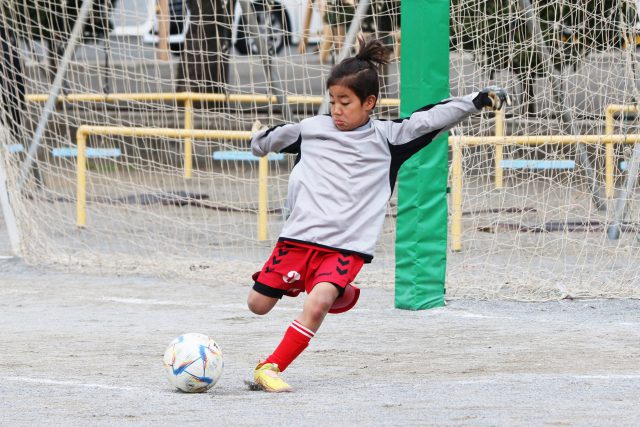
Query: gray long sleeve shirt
x,y
342,180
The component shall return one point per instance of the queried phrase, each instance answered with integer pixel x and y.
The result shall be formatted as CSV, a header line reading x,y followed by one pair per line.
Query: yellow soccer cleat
x,y
267,376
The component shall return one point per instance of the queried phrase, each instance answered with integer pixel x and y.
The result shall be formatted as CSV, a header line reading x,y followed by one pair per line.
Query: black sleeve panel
x,y
430,106
293,148
401,153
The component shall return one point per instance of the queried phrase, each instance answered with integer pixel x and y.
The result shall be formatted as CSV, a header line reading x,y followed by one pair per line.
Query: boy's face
x,y
347,111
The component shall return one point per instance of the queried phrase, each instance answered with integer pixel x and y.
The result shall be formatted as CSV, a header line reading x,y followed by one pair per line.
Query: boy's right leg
x,y
266,374
296,338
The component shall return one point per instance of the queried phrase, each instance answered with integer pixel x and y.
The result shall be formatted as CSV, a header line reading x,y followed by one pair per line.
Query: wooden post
x,y
163,29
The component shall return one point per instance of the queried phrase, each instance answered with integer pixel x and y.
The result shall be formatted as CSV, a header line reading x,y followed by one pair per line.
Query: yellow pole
x,y
182,96
81,180
263,173
168,132
456,195
456,142
258,99
631,138
85,130
498,149
188,125
608,159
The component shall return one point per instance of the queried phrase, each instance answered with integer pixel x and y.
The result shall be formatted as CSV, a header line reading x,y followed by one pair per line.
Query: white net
x,y
159,199
537,227
556,219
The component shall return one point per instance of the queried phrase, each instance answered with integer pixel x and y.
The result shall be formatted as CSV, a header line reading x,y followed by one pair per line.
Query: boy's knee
x,y
318,311
319,305
259,304
257,308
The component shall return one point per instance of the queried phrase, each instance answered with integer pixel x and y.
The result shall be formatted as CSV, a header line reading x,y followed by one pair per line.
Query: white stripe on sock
x,y
302,330
304,327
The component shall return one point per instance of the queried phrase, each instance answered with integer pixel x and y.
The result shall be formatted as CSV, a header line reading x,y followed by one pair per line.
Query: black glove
x,y
492,97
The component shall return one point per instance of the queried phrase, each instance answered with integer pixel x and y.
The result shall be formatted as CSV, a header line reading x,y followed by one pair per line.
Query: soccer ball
x,y
193,362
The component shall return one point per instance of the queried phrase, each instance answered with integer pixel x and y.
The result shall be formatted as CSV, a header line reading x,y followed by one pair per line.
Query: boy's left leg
x,y
259,303
297,337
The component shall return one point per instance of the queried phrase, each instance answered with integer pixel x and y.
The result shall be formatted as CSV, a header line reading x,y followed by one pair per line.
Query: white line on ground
x,y
608,377
459,313
505,378
139,301
69,383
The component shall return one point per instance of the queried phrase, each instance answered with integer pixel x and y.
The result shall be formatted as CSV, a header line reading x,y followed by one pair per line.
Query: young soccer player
x,y
344,173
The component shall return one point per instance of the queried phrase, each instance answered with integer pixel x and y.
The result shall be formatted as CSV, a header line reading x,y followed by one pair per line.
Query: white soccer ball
x,y
193,362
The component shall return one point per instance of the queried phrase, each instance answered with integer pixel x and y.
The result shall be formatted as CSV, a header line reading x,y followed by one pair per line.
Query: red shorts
x,y
296,267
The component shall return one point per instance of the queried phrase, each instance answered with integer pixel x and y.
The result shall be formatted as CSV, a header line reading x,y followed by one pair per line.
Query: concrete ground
x,y
87,350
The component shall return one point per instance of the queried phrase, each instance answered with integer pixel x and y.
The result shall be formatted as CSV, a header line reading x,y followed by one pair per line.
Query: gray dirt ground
x,y
86,350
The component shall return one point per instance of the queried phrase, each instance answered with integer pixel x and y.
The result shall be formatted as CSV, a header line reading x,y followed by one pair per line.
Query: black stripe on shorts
x,y
268,290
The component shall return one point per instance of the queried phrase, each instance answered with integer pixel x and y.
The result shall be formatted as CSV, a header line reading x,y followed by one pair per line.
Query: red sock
x,y
295,340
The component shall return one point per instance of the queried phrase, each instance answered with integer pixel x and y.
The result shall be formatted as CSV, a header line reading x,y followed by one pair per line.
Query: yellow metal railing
x,y
498,148
457,142
188,134
188,98
610,111
608,130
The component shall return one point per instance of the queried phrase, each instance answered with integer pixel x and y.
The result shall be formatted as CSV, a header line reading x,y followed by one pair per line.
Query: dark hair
x,y
360,73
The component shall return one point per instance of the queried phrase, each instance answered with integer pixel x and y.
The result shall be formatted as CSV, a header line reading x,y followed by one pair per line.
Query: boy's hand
x,y
257,127
492,98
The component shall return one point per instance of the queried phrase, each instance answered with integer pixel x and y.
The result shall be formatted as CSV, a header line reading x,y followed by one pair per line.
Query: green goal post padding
x,y
421,238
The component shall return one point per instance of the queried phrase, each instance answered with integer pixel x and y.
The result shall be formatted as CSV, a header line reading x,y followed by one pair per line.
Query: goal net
x,y
539,215
179,204
125,128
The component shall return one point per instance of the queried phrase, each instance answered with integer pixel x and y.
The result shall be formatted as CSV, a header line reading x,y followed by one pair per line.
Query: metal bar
x,y
456,178
498,149
533,25
188,149
455,141
78,27
456,195
81,180
193,96
258,99
263,198
608,160
5,204
142,96
545,139
168,132
615,228
538,164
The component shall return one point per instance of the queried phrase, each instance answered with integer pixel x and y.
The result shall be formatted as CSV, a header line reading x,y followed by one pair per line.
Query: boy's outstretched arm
x,y
431,120
279,139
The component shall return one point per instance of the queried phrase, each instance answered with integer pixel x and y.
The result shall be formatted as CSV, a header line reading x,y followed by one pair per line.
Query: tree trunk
x,y
204,66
